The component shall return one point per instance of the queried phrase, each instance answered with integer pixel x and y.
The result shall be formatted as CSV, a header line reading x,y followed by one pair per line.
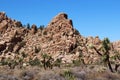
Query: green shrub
x,y
68,75
58,62
76,62
47,61
24,55
3,62
12,64
35,62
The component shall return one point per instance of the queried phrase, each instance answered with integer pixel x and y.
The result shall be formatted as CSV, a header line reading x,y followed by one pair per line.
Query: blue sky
x,y
90,17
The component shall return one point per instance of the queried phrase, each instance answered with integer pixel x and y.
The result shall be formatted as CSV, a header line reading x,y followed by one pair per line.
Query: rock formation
x,y
59,39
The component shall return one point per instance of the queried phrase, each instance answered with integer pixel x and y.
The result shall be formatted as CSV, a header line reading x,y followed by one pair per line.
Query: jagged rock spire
x,y
61,18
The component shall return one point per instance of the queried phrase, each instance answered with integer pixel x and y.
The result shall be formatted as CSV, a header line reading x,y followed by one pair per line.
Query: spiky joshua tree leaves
x,y
106,47
105,54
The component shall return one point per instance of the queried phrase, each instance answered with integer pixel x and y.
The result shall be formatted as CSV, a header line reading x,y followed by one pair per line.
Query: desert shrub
x,y
35,62
24,55
82,75
37,50
9,62
58,62
110,76
68,75
47,61
3,62
20,62
76,62
8,77
79,61
51,76
12,64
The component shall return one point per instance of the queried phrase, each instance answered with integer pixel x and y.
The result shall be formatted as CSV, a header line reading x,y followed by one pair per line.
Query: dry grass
x,y
65,73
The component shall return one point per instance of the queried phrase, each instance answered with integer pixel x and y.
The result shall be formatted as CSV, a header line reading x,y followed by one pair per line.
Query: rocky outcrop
x,y
116,45
6,22
3,26
61,35
59,39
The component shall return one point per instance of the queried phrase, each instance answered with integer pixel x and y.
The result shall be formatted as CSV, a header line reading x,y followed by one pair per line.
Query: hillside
x,y
59,40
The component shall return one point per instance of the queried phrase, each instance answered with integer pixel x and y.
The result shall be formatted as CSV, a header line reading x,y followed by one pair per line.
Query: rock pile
x,y
59,39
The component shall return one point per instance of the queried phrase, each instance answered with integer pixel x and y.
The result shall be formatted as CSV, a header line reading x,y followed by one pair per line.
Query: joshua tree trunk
x,y
108,61
116,67
109,65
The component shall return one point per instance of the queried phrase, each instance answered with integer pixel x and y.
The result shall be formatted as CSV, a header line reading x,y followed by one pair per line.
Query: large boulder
x,y
3,26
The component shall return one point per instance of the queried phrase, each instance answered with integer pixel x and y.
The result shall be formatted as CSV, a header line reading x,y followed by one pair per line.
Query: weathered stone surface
x,y
3,26
6,22
59,39
116,45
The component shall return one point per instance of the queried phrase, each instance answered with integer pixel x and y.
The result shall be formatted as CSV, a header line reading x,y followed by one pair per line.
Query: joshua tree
x,y
105,52
106,47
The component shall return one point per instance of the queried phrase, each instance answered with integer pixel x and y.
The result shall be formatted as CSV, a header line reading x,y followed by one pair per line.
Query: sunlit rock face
x,y
59,39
